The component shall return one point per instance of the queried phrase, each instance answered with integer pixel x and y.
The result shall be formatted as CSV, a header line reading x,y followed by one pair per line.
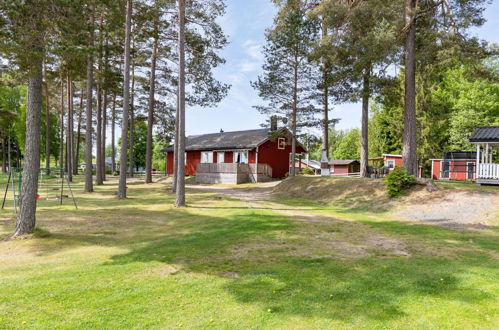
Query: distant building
x,y
454,166
236,157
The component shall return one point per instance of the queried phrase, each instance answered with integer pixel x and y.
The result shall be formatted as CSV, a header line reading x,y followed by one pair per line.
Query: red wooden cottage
x,y
237,157
454,166
387,160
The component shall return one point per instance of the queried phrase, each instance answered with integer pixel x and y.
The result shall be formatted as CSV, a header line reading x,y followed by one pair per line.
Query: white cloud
x,y
250,66
253,49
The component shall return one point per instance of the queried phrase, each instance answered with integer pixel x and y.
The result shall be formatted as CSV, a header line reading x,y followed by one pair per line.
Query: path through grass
x,y
224,263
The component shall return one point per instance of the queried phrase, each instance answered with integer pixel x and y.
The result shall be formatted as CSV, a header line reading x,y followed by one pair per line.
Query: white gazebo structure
x,y
487,140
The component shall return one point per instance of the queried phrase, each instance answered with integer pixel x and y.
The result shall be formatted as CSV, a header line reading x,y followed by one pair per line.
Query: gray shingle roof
x,y
226,140
342,162
485,134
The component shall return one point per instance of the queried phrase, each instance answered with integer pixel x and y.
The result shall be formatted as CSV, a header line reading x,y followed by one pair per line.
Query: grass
x,y
222,263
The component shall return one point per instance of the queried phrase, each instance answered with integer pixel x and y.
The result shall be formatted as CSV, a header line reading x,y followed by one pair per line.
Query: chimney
x,y
273,123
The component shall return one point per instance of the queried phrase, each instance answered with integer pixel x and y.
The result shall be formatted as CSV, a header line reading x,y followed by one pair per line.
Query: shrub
x,y
397,181
286,174
307,171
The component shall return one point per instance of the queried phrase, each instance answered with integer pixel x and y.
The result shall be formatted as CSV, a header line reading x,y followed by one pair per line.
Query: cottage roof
x,y
460,155
311,163
485,134
343,162
249,139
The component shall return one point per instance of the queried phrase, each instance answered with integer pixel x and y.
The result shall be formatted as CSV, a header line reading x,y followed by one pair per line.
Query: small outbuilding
x,y
459,166
348,167
486,139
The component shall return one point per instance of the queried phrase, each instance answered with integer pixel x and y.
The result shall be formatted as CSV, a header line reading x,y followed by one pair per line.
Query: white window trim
x,y
234,157
209,156
390,161
281,143
218,157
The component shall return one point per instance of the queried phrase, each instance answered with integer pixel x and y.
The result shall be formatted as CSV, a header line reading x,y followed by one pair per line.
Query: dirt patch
x,y
452,208
457,208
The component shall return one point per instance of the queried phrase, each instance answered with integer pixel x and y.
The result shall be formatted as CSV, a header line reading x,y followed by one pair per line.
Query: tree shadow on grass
x,y
372,288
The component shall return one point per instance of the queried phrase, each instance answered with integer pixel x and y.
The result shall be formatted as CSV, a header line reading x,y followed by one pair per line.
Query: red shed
x,y
454,166
236,157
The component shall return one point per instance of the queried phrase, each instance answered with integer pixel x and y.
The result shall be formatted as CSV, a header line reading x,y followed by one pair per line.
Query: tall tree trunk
x,y
364,149
409,150
4,154
126,101
325,80
47,129
61,121
150,114
98,129
175,148
113,124
293,121
104,109
78,137
180,192
103,141
88,113
69,144
26,220
132,123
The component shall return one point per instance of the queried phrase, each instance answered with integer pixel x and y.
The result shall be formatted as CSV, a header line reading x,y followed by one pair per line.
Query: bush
x,y
286,174
307,171
397,181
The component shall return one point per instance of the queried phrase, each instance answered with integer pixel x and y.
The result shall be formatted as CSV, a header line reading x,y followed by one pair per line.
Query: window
x,y
390,163
220,157
241,157
470,170
281,143
445,170
206,157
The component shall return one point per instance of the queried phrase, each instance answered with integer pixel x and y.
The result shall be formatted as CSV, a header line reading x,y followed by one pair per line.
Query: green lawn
x,y
223,263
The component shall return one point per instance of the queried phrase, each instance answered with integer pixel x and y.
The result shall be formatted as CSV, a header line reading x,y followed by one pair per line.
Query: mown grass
x,y
221,263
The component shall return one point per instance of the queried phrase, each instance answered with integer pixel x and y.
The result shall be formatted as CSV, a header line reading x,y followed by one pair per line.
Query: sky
x,y
245,22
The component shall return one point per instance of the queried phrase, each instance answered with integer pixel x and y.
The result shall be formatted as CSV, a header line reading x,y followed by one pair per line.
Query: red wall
x,y
436,169
169,162
340,169
454,166
278,159
268,154
398,160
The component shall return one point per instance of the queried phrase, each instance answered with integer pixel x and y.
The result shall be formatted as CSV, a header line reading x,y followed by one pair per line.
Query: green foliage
x,y
450,104
139,146
287,82
348,147
343,144
158,156
397,181
307,171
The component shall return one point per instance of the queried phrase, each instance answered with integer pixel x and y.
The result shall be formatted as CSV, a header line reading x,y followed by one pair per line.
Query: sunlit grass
x,y
223,263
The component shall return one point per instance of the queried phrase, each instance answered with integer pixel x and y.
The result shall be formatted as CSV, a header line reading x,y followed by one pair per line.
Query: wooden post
x,y
477,161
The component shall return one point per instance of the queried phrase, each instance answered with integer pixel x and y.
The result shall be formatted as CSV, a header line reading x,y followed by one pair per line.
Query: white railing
x,y
488,171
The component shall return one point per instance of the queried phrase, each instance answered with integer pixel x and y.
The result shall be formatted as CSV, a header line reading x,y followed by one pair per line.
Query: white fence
x,y
488,171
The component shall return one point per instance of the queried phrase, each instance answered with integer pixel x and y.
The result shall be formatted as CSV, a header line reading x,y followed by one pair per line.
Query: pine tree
x,y
288,80
126,100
